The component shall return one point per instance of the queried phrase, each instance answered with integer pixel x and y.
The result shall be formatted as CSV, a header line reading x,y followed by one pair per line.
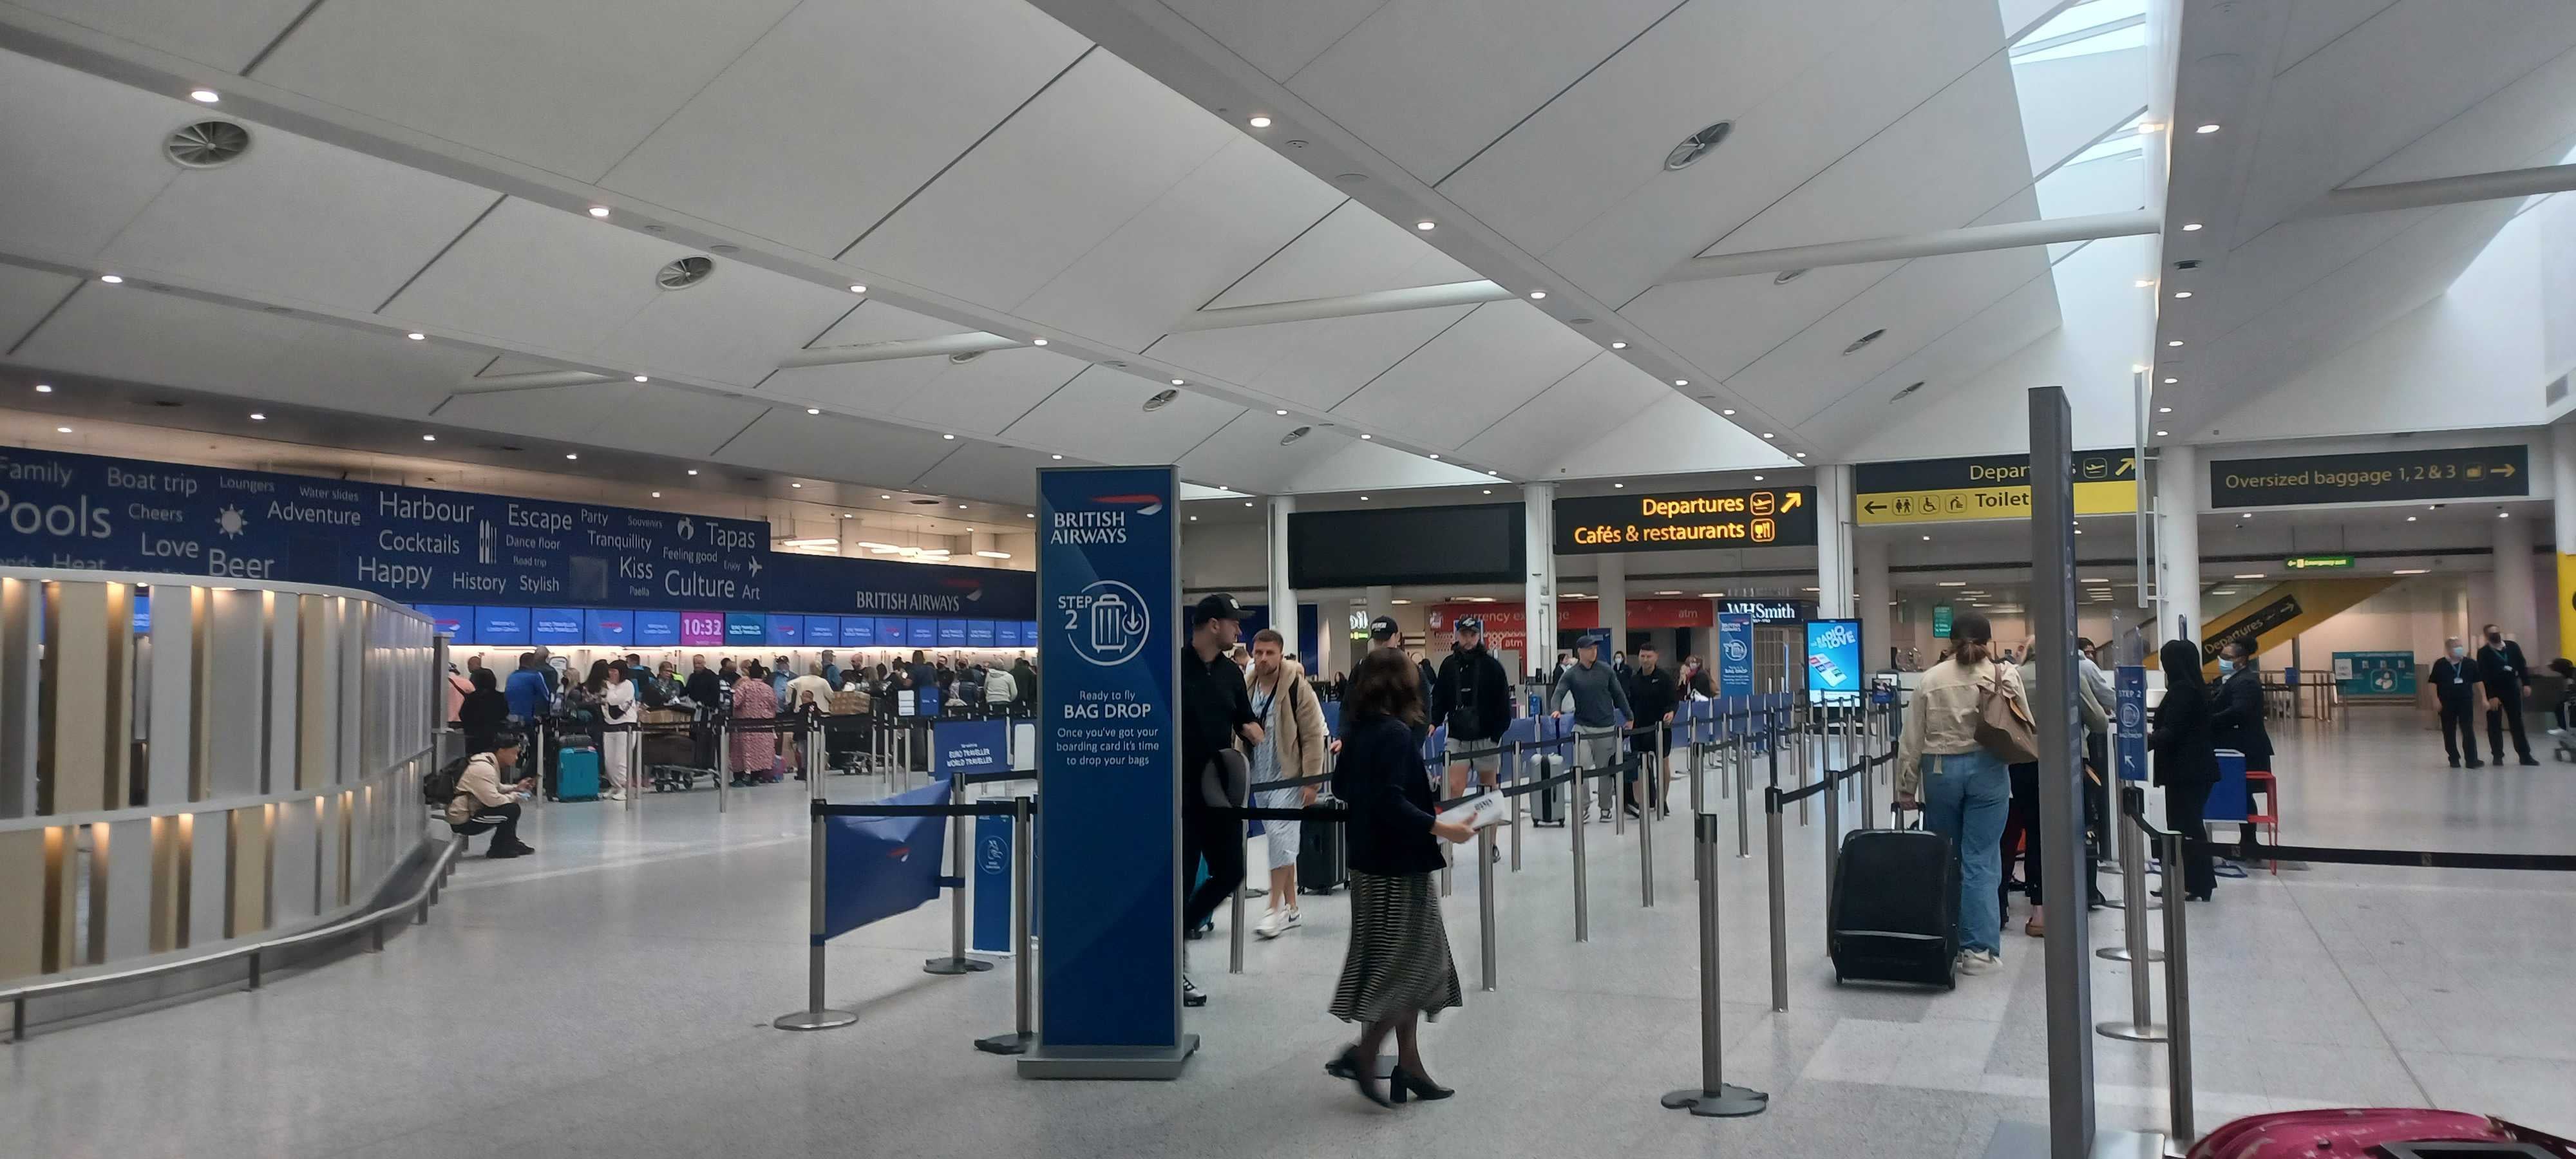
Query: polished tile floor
x,y
612,996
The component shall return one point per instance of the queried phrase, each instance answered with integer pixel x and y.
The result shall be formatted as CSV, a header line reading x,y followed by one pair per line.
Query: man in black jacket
x,y
2508,678
2456,685
1215,716
1473,697
1653,693
2236,721
706,690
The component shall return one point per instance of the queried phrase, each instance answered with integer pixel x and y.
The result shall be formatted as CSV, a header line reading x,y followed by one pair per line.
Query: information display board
x,y
1109,770
2372,477
1687,520
2130,739
657,629
1941,615
1734,654
2375,673
1833,663
1985,487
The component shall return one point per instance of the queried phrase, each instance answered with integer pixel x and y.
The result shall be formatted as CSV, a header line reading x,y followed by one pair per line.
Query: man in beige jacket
x,y
1292,746
483,803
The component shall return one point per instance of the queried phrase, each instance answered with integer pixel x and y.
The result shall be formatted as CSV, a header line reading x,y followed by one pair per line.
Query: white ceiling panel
x,y
571,415
25,296
1311,364
731,328
791,442
1471,375
867,387
1352,251
2413,67
1915,305
1722,324
2021,318
1102,413
1593,146
2525,124
84,155
670,420
987,471
569,88
1246,456
843,110
1430,82
131,333
1581,407
2109,185
542,278
1226,217
1358,466
1675,434
344,368
1278,39
2314,24
224,35
298,219
1085,156
1871,81
875,321
2068,103
988,394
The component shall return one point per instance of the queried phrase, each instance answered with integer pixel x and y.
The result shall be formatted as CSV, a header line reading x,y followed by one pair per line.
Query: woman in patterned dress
x,y
755,753
1397,968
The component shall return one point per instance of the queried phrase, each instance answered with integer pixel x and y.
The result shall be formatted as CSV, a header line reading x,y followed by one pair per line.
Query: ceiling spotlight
x,y
1535,295
1435,458
204,96
1618,346
2164,410
2504,515
1033,515
62,430
2175,342
1037,341
1757,478
2410,519
1055,456
1489,490
947,436
1281,413
1802,454
813,410
429,438
693,470
658,495
599,211
1620,486
1259,122
1681,382
1927,539
2160,434
2191,227
417,336
1729,411
1426,225
1247,503
257,417
798,486
1363,498
1496,474
1367,437
111,279
572,454
2171,381
642,378
42,388
1769,435
1194,519
858,289
961,507
2182,293
2206,129
1178,382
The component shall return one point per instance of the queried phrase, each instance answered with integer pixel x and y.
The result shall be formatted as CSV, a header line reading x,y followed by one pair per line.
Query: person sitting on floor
x,y
482,804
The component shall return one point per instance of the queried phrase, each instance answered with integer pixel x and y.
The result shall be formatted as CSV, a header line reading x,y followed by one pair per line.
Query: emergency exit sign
x,y
2314,562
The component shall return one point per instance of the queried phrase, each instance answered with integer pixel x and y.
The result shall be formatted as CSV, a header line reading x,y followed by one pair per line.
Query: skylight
x,y
2083,29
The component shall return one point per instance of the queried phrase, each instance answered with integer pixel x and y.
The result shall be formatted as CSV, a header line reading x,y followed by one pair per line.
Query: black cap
x,y
1588,641
1382,628
1474,624
1220,606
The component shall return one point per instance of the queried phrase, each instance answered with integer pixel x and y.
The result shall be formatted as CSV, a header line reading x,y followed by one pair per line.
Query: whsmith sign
x,y
1772,517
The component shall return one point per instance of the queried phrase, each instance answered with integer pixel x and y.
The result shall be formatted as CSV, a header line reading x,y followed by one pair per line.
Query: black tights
x,y
1408,1046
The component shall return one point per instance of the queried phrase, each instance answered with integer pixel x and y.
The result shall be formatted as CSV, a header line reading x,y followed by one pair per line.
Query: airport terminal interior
x,y
663,577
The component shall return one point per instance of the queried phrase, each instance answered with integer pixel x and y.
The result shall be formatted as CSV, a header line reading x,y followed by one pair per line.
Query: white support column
x,y
1538,583
1614,602
1283,599
2562,470
2177,543
2516,609
1872,591
1834,543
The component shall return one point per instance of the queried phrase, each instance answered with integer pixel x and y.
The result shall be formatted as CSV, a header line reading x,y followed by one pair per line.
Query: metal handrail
x,y
418,900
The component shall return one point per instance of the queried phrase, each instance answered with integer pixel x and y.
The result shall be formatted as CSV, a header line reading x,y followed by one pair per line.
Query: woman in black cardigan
x,y
1397,968
2186,762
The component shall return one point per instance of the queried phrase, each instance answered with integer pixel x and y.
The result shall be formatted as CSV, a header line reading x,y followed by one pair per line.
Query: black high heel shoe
x,y
1362,1075
1406,1083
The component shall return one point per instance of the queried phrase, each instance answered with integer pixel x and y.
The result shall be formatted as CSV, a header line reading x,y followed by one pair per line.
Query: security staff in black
x,y
1472,696
2456,684
2508,678
1215,714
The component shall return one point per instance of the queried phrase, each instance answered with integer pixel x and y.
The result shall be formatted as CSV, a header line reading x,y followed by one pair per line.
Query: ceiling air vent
x,y
1300,432
1162,398
1864,340
923,502
964,357
206,144
1697,145
686,272
1900,395
1785,277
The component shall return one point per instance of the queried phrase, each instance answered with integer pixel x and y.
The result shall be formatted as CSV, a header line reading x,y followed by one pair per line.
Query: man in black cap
x,y
1214,712
1475,701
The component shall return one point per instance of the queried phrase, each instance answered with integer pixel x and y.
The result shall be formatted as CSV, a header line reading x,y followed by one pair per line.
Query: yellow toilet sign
x,y
1986,487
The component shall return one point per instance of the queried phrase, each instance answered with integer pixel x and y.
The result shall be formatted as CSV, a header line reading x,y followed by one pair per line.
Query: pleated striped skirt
x,y
1399,956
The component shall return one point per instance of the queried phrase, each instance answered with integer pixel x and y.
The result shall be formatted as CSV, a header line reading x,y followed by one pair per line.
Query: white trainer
x,y
1979,961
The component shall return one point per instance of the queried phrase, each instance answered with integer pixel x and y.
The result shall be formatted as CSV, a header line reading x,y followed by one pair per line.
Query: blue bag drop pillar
x,y
992,886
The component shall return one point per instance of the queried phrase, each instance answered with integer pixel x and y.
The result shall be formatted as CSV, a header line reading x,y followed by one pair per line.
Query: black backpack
x,y
439,786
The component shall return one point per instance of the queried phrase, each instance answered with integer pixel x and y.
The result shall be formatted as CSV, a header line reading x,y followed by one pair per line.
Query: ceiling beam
x,y
975,342
1973,239
1344,306
2446,191
535,380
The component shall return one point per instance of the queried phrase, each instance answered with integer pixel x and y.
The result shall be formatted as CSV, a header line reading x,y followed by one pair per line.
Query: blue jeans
x,y
1966,798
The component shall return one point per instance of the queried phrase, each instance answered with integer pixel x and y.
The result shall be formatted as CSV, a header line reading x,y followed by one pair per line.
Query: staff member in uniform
x,y
2456,684
2236,721
1215,715
2508,678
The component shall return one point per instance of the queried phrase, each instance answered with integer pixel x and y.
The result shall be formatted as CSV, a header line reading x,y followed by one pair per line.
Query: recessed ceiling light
x,y
693,470
2182,293
855,288
813,410
2171,381
204,96
1681,382
1802,454
2204,129
2504,515
1622,486
1769,435
947,436
1535,295
1927,539
1757,478
961,507
1365,437
1259,122
1727,411
111,279
572,454
1033,515
1194,519
2164,410
42,388
642,378
1785,277
1247,503
2175,342
1280,412
1426,225
1952,583
417,336
2160,434
1618,346
257,417
1178,382
798,486
1435,458
1489,490
2410,519
599,211
1496,474
1037,341
62,430
1055,456
2191,227
429,438
1865,340
2408,571
1363,498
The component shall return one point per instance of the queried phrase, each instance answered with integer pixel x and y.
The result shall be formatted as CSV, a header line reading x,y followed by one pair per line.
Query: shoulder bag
x,y
2001,727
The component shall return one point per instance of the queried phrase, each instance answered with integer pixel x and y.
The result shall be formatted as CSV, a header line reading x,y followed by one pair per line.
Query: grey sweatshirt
x,y
1596,694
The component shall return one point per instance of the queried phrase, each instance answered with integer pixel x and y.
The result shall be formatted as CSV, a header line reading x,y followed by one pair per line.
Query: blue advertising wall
x,y
1109,757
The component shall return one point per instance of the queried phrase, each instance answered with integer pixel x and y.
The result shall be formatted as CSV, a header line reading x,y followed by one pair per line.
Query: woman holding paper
x,y
1397,968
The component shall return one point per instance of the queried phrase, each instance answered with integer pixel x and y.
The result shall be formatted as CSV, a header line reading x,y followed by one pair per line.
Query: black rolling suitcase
x,y
1896,909
1319,857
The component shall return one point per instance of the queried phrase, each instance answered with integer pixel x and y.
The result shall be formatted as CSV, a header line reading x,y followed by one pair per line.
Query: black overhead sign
x,y
2372,477
1680,521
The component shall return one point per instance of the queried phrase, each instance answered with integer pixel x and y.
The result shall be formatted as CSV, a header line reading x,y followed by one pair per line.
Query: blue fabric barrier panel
x,y
877,867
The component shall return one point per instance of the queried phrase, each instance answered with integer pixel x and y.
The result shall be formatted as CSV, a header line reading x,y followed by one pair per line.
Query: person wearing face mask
x,y
2455,684
2236,719
2508,678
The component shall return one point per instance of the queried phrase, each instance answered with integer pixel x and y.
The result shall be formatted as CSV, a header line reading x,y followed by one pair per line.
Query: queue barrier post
x,y
1234,922
1739,761
2177,1002
724,757
1779,890
2141,1026
1023,1025
544,754
1649,802
1574,820
1806,759
1714,1097
1520,751
1833,848
1485,903
956,962
1869,774
816,1015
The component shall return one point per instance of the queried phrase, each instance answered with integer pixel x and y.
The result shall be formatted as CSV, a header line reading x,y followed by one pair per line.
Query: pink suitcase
x,y
2357,1132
